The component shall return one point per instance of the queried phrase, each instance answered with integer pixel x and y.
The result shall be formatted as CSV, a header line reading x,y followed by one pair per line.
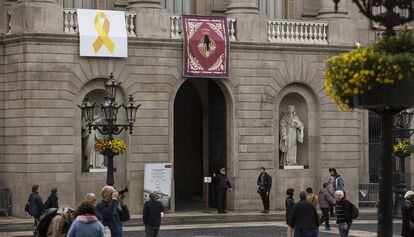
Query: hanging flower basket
x,y
377,77
402,149
110,147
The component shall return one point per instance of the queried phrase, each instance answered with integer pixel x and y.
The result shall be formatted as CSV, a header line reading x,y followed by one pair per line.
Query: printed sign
x,y
157,179
102,33
207,180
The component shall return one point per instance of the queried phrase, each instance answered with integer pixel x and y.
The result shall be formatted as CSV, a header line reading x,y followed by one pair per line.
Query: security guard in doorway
x,y
223,185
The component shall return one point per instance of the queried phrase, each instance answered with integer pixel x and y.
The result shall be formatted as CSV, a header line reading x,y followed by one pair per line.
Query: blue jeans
x,y
305,233
342,231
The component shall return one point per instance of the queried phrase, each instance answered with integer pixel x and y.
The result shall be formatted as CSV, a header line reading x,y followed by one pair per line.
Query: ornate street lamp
x,y
109,108
397,12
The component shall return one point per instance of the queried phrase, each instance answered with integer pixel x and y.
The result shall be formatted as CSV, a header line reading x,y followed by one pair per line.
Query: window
x,y
86,4
179,7
273,8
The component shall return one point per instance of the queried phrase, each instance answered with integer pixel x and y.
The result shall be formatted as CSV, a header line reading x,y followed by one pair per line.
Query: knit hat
x,y
408,194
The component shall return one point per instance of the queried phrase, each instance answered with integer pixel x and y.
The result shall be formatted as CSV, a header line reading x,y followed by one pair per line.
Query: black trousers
x,y
265,200
151,231
221,200
325,216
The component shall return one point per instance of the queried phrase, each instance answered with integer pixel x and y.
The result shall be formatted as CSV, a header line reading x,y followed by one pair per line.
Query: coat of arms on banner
x,y
206,46
102,33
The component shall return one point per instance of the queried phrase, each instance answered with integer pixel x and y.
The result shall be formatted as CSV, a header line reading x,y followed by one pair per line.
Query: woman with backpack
x,y
289,204
52,201
60,224
86,223
34,206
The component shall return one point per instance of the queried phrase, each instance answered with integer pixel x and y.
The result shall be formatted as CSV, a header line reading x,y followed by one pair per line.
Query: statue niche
x,y
291,133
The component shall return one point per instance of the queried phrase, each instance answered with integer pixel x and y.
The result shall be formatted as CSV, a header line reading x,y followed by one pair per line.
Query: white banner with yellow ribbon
x,y
102,33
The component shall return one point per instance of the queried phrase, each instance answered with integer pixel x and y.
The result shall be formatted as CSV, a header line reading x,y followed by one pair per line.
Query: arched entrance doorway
x,y
200,140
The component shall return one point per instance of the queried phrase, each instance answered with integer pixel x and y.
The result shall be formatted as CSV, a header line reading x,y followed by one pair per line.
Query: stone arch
x,y
93,181
230,98
306,99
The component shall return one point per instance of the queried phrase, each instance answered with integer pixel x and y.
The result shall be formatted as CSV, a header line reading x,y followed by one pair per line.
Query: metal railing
x,y
176,28
297,32
5,201
71,26
368,194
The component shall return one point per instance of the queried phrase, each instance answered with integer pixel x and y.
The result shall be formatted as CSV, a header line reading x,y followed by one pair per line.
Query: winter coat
x,y
59,226
407,215
304,216
325,199
312,199
86,226
331,185
339,183
289,204
35,204
113,216
52,201
151,214
222,182
343,211
265,183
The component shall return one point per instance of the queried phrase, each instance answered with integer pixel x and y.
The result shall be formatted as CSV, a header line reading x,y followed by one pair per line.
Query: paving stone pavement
x,y
233,224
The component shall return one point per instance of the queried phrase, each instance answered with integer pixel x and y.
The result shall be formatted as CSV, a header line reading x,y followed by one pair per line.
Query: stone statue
x,y
94,159
291,132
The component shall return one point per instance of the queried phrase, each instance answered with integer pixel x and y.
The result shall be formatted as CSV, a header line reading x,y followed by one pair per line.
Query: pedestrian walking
x,y
331,187
326,201
344,213
408,215
265,184
223,185
52,201
305,219
34,206
289,204
113,210
312,198
86,223
339,183
151,216
60,224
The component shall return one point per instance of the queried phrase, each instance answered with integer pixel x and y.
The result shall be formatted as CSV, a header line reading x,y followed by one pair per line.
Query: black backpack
x,y
44,222
354,211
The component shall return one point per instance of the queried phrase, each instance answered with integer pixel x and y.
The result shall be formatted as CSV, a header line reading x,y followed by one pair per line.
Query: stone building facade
x,y
196,124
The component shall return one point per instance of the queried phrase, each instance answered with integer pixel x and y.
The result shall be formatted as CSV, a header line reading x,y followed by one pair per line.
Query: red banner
x,y
206,46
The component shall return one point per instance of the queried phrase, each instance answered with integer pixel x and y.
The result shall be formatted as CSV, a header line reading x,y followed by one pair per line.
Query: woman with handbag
x,y
408,215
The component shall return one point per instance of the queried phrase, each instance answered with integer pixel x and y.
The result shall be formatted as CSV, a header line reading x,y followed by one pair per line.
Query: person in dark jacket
x,y
343,213
304,218
325,202
223,185
52,200
35,206
113,210
289,204
265,184
408,214
151,216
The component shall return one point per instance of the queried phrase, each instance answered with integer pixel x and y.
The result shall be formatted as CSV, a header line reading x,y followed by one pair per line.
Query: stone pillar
x,y
151,19
39,16
342,30
251,26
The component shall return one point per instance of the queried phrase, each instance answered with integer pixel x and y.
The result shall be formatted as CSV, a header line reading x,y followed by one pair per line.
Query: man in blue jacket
x,y
113,210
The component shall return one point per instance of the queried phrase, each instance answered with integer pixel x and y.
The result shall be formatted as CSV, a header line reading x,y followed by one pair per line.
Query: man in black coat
x,y
343,213
408,214
151,216
265,184
305,219
223,185
52,201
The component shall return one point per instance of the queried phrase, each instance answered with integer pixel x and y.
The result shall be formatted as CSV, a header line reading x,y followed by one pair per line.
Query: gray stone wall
x,y
45,80
2,126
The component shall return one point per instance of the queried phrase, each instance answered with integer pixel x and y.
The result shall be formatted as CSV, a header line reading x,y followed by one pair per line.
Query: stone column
x,y
251,26
342,29
39,16
151,19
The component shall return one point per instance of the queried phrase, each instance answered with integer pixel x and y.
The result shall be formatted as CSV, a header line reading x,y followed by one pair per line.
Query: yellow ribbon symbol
x,y
103,30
